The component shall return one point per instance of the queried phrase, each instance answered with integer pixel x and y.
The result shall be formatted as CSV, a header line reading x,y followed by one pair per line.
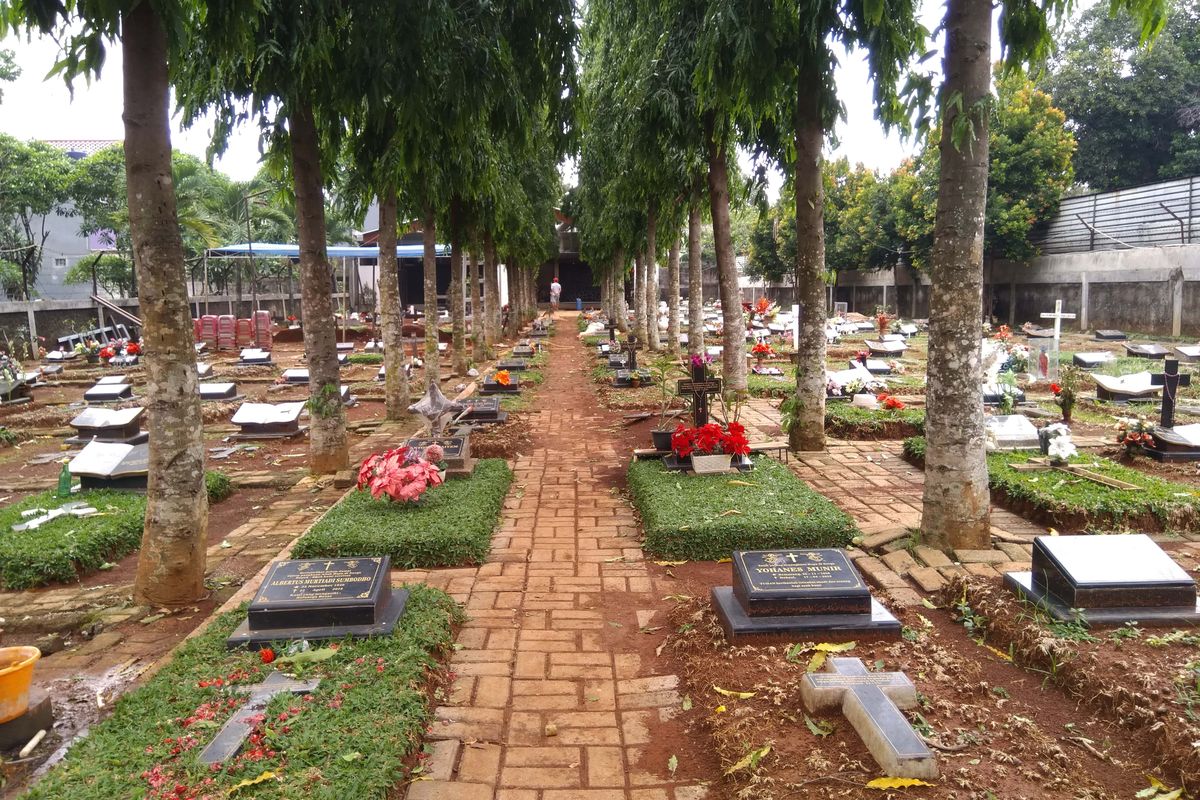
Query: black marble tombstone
x,y
1169,444
789,595
456,453
1110,335
1108,580
111,465
483,410
490,386
700,386
513,364
320,599
223,392
15,390
122,426
108,393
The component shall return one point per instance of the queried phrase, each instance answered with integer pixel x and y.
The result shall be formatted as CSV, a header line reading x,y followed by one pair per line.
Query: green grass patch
x,y
772,385
349,738
218,485
706,517
67,548
365,358
847,421
1123,365
451,525
1077,503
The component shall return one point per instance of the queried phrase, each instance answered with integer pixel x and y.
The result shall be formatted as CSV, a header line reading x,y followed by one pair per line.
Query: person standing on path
x,y
555,293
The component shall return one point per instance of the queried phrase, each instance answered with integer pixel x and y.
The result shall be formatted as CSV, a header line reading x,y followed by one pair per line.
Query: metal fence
x,y
1142,216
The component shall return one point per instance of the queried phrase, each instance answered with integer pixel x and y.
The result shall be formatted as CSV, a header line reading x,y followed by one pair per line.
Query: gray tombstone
x,y
1013,432
268,420
123,426
112,465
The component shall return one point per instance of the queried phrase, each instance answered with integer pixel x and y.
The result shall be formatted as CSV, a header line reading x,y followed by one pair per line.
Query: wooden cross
x,y
230,738
1058,316
1044,465
700,387
872,702
1170,380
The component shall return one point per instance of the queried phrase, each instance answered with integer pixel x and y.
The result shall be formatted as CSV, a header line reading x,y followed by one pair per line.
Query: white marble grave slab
x,y
296,375
1013,432
893,337
908,329
255,355
1190,352
106,417
267,413
1137,385
891,348
111,380
1089,360
1189,433
203,370
110,460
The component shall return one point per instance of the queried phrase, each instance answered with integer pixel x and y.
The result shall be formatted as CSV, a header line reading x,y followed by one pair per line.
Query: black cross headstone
x,y
632,347
1170,380
230,738
612,330
700,386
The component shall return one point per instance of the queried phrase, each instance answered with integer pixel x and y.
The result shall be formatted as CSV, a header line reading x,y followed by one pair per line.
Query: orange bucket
x,y
16,675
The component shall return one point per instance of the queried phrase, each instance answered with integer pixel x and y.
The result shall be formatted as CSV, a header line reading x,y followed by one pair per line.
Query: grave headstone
x,y
56,356
909,329
108,392
295,375
1154,352
886,348
229,740
1012,432
1092,360
255,356
203,370
1107,580
623,378
994,392
1188,352
491,386
1110,335
612,330
513,364
347,398
317,599
345,347
1137,387
223,392
790,595
268,420
483,410
109,425
871,701
15,390
632,346
1170,380
1058,315
112,465
123,361
457,451
617,360
875,366
523,351
699,386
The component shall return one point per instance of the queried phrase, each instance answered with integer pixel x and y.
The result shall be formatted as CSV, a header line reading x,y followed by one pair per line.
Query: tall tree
x,y
33,188
171,562
955,509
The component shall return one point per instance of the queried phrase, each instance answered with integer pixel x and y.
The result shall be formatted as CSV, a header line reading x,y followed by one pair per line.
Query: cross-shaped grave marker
x,y
230,738
1170,380
632,347
1044,465
872,702
1058,315
612,330
700,386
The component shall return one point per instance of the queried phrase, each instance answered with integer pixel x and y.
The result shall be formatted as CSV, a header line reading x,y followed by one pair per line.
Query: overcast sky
x,y
33,108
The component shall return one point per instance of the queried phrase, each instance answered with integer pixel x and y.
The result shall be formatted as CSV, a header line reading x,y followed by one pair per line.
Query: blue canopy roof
x,y
269,249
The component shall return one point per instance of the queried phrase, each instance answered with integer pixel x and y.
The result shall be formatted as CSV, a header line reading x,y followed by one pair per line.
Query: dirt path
x,y
559,693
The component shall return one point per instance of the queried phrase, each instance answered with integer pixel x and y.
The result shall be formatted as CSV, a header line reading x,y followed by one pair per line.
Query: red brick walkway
x,y
559,695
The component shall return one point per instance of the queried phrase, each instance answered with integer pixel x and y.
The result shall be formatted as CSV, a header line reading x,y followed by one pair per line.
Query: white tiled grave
x,y
1013,432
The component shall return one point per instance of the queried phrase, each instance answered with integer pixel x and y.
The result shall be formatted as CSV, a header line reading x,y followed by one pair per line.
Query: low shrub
x,y
451,525
67,548
706,517
350,737
365,358
846,421
218,485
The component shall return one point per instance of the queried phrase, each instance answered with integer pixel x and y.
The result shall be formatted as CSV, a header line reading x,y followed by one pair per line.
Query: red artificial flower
x,y
503,378
763,305
132,349
267,655
107,352
761,349
681,441
1054,387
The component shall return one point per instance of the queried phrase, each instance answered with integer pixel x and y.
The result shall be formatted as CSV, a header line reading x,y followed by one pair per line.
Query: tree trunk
x,y
639,298
695,281
395,385
955,512
622,304
429,266
491,294
733,340
170,570
673,295
652,337
327,446
457,300
808,430
476,272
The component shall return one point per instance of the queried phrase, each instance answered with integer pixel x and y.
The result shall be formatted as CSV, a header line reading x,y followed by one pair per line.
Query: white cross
x,y
1058,316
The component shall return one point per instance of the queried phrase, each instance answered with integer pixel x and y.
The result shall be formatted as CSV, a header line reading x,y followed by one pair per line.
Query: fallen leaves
x,y
263,777
750,760
820,652
818,727
731,693
896,783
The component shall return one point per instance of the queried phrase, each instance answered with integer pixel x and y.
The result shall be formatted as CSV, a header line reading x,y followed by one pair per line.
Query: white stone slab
x,y
106,417
1138,384
1189,433
1190,352
110,460
111,380
203,370
1088,360
893,337
255,355
296,375
908,329
1013,432
267,413
889,348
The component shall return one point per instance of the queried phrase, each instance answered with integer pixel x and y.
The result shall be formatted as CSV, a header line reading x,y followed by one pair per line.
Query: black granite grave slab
x,y
624,378
521,351
111,465
740,628
1110,335
491,387
218,391
318,599
456,448
1107,580
1154,352
107,425
786,582
513,364
15,391
483,409
617,360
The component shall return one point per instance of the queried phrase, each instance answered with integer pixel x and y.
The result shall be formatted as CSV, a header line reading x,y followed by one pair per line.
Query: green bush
x,y
451,525
218,485
843,419
706,517
914,449
349,738
365,358
67,548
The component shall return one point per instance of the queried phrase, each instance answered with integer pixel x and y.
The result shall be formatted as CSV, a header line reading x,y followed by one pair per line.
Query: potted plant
x,y
1134,433
635,379
1064,391
402,474
90,349
710,447
662,368
1055,442
761,351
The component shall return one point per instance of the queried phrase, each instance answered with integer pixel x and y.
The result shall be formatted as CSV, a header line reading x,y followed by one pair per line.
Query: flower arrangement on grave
x,y
710,440
88,347
435,454
503,377
882,318
701,360
133,349
1055,441
107,352
10,368
862,355
402,474
1018,358
1134,432
760,351
896,367
1004,334
889,401
1064,390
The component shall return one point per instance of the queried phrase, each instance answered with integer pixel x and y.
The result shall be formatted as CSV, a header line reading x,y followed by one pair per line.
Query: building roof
x,y
85,146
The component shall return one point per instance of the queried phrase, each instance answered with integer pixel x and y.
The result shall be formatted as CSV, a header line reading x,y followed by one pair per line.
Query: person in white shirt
x,y
555,293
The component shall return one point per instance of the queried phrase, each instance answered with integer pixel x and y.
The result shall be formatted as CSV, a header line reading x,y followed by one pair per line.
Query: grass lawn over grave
x,y
1074,503
707,517
365,358
349,738
451,525
67,548
846,421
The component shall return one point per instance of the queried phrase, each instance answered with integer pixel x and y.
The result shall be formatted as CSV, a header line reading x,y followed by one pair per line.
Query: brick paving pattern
x,y
551,699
